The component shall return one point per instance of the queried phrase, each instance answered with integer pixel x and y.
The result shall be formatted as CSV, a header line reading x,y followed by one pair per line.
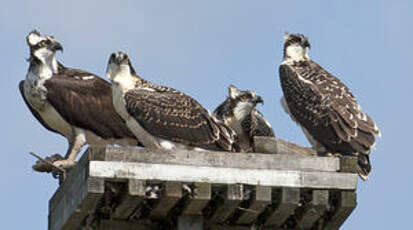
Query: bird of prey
x,y
163,117
238,112
74,103
324,107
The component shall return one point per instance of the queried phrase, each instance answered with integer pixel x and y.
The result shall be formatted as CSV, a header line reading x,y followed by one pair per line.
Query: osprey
x,y
162,117
74,103
238,112
323,106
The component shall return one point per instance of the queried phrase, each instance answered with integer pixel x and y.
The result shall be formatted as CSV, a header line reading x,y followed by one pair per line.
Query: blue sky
x,y
201,48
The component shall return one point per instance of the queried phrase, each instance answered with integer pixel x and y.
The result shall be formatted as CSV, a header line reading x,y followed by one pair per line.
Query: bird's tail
x,y
364,166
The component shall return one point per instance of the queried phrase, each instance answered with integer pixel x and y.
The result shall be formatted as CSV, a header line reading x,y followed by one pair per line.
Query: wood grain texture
x,y
188,173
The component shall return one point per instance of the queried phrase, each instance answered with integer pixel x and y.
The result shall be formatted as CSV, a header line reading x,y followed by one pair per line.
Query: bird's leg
x,y
76,143
46,164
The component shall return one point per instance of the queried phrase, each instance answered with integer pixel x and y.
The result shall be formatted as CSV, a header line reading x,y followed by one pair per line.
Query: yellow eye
x,y
245,97
43,43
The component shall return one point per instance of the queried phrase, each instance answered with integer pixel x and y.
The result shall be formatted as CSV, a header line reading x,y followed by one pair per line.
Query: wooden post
x,y
171,195
129,201
233,195
287,201
260,199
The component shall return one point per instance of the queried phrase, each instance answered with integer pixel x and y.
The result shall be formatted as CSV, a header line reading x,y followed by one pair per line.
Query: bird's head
x,y
296,47
119,65
243,101
43,47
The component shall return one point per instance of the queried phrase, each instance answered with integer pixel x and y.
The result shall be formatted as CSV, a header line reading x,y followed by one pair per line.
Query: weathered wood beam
x,y
75,199
346,202
170,196
188,173
278,146
217,159
130,201
197,202
233,195
313,210
287,201
348,164
260,199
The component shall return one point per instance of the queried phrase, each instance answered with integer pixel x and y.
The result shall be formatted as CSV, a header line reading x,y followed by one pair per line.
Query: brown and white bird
x,y
239,112
74,103
163,117
323,106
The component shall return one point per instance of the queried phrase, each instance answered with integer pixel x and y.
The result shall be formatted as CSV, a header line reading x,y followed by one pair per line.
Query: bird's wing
x,y
259,125
33,111
85,100
328,109
177,117
221,110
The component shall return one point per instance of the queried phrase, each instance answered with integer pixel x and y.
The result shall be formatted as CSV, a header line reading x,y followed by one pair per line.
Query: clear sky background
x,y
201,48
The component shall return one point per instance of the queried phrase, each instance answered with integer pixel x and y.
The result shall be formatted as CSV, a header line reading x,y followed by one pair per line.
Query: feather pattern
x,y
171,115
86,104
326,108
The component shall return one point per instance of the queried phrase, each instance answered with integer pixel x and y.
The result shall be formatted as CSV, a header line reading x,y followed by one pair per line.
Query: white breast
x,y
36,97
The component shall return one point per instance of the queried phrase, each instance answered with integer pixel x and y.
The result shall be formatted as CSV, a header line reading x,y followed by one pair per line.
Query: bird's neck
x,y
40,69
126,81
242,110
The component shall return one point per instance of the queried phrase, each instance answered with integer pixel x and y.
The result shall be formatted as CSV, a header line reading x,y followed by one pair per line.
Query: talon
x,y
45,165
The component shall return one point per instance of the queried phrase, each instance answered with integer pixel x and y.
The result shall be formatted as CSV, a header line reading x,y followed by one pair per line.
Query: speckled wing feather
x,y
175,116
326,108
85,101
259,125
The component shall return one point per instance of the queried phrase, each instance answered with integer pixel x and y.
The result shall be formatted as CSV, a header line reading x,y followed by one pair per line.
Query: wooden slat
x,y
199,200
69,196
171,195
261,198
75,177
188,173
220,159
190,223
129,201
74,207
233,195
278,146
287,201
314,209
347,201
348,164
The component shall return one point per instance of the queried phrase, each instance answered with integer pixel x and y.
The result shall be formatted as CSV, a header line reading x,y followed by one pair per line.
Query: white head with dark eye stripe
x,y
120,71
44,48
296,47
242,102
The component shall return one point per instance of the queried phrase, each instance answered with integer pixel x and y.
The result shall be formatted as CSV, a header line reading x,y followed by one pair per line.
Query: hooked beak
x,y
55,46
259,100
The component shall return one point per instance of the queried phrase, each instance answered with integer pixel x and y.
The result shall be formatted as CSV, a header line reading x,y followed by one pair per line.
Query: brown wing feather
x,y
86,104
177,117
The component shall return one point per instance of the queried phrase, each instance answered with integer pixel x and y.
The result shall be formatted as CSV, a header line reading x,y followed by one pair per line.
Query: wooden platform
x,y
127,188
